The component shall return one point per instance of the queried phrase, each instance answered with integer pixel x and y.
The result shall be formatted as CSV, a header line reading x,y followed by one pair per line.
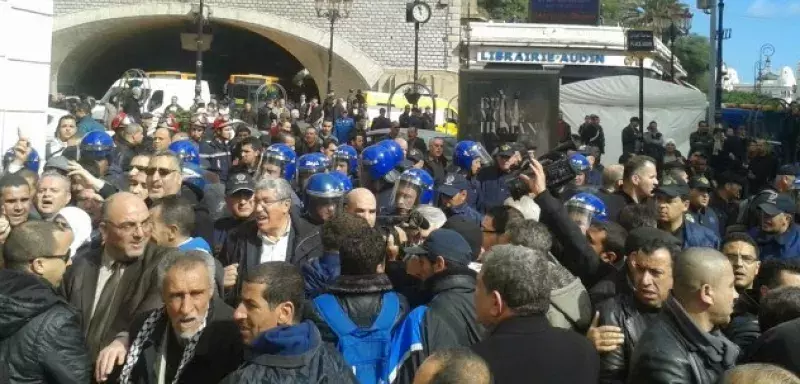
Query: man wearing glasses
x,y
111,284
43,339
165,178
273,234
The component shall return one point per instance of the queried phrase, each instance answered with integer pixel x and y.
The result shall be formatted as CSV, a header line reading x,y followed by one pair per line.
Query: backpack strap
x,y
333,314
390,306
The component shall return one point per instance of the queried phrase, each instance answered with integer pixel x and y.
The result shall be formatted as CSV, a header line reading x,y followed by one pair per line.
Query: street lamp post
x,y
680,24
332,10
764,57
200,18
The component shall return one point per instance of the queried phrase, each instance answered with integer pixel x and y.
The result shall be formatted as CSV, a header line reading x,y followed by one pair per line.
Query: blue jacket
x,y
342,129
696,235
595,178
320,272
88,124
493,188
784,246
708,218
467,212
291,354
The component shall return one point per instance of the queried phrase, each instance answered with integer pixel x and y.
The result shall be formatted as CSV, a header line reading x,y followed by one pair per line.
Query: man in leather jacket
x,y
684,344
642,288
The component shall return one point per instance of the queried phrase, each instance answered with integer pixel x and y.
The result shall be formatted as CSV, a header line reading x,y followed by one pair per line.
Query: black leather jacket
x,y
673,350
361,298
744,329
633,318
41,339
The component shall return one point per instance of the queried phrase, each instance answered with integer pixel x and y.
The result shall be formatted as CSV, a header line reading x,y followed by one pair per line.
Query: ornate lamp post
x,y
332,10
680,24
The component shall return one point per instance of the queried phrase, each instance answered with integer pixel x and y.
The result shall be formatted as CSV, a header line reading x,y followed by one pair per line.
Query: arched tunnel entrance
x,y
92,48
158,48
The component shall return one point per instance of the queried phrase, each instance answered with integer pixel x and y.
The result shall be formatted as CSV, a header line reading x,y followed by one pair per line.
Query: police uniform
x,y
705,216
453,184
218,155
493,182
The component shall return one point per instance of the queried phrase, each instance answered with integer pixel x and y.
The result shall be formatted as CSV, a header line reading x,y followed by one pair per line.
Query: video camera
x,y
557,170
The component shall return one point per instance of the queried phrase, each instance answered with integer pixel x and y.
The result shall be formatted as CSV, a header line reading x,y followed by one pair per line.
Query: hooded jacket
x,y
291,354
361,298
320,272
41,339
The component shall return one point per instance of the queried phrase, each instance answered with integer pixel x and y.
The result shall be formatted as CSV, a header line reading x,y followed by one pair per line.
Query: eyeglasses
x,y
129,227
163,172
484,230
268,203
65,257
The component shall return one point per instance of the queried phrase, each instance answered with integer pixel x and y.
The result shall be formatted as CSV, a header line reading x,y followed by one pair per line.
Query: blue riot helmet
x,y
310,164
395,149
470,156
347,184
32,162
96,145
413,187
345,159
186,151
323,197
579,163
585,207
377,164
193,176
581,166
278,160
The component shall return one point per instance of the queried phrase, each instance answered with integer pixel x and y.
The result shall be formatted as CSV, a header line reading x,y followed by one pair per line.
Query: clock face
x,y
421,13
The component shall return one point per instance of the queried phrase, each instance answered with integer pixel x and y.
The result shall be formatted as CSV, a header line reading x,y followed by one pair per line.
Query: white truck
x,y
25,71
157,94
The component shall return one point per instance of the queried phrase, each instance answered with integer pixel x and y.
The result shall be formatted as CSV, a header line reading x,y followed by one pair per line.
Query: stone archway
x,y
82,30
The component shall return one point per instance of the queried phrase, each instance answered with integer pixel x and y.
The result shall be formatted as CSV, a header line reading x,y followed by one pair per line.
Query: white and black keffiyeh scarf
x,y
144,334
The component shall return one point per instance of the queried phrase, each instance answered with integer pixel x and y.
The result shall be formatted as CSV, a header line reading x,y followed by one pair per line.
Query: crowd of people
x,y
298,252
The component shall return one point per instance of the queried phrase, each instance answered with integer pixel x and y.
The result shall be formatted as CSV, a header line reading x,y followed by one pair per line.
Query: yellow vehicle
x,y
446,115
242,88
175,75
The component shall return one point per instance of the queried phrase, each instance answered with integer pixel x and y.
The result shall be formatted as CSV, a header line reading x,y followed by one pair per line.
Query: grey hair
x,y
435,216
131,129
520,276
54,173
185,260
531,234
283,191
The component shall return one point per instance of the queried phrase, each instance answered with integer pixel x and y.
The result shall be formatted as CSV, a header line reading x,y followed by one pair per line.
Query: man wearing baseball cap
x,y
493,188
453,195
672,202
778,237
448,320
784,180
699,209
239,192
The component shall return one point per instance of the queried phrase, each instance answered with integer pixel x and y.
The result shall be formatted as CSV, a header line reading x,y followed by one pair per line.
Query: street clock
x,y
418,12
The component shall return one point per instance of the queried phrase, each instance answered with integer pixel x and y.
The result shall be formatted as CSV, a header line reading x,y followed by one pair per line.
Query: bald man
x,y
403,144
361,202
111,284
757,373
453,366
684,345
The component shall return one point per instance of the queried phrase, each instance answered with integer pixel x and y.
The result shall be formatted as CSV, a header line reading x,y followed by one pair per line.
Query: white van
x,y
157,94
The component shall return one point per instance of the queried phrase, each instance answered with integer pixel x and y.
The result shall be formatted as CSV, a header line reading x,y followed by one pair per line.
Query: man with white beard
x,y
191,339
